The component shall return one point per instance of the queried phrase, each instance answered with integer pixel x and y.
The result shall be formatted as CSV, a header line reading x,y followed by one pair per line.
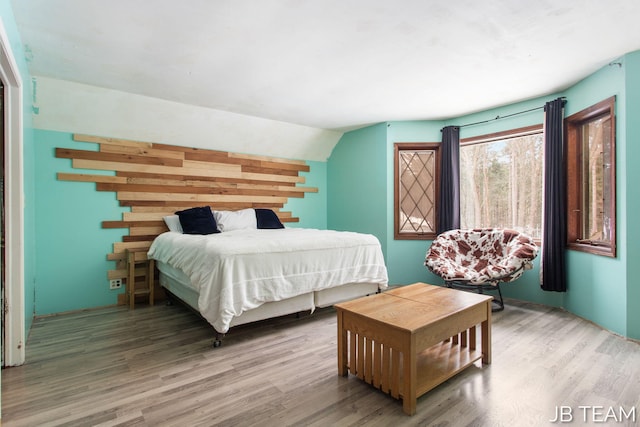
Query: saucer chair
x,y
480,259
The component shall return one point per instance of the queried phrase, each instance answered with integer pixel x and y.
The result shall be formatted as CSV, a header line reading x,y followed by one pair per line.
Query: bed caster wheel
x,y
217,343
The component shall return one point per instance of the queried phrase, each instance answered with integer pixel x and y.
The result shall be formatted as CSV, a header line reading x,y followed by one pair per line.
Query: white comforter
x,y
240,270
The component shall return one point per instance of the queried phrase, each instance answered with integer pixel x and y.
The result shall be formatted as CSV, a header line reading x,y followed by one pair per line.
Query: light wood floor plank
x,y
155,366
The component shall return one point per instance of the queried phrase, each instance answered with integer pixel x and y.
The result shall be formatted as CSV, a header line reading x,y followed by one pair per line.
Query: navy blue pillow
x,y
267,218
198,221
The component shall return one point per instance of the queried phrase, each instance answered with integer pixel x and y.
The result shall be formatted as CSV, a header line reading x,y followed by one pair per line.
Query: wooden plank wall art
x,y
155,180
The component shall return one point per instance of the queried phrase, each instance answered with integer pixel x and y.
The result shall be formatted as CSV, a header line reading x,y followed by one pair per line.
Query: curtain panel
x,y
449,196
553,273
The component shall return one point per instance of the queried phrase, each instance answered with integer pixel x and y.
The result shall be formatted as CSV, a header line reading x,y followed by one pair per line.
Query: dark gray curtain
x,y
553,273
449,198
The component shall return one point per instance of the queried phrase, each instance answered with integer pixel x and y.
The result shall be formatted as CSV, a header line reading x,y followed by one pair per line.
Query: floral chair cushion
x,y
481,256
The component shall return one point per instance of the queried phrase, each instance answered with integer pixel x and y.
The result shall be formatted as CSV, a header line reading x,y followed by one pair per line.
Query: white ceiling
x,y
329,64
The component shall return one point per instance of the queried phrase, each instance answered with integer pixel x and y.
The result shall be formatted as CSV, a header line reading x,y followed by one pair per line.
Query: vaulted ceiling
x,y
329,64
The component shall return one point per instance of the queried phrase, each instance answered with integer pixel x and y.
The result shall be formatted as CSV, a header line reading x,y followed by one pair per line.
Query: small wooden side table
x,y
408,340
138,257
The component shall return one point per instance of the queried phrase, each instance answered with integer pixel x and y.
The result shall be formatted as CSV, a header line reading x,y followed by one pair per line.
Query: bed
x,y
248,271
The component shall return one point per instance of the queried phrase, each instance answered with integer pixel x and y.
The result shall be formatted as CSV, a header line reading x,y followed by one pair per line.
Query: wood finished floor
x,y
155,367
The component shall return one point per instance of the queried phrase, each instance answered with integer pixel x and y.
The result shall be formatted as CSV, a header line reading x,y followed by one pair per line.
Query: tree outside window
x,y
501,181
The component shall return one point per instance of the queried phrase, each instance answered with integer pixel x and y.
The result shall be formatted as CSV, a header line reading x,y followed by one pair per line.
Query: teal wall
x,y
357,183
629,157
597,284
312,209
72,247
602,289
9,23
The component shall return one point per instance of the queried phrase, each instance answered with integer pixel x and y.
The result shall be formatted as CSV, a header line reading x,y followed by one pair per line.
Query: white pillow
x,y
173,222
236,220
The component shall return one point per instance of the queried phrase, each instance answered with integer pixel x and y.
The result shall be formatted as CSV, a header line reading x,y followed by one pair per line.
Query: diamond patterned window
x,y
416,185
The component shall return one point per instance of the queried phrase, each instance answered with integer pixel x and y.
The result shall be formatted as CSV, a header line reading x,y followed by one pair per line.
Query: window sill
x,y
593,249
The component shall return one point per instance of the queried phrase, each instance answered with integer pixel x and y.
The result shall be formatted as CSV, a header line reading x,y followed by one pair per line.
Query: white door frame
x,y
14,317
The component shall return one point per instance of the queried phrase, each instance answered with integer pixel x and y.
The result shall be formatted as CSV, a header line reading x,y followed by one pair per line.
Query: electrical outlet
x,y
115,284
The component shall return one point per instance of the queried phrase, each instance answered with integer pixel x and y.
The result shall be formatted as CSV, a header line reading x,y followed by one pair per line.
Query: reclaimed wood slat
x,y
268,159
143,216
158,188
215,171
163,209
188,204
68,153
141,151
216,184
274,171
198,198
127,224
86,177
142,231
144,238
101,139
236,158
213,179
274,178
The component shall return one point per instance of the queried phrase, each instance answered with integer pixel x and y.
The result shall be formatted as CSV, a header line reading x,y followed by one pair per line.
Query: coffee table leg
x,y
342,345
410,381
486,337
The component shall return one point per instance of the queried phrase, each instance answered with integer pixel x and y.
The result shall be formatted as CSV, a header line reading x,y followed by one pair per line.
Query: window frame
x,y
575,179
414,146
506,134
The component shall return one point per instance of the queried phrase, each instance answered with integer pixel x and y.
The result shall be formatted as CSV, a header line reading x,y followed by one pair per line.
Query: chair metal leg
x,y
498,304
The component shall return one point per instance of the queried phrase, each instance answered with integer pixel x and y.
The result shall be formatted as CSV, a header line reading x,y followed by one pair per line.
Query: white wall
x,y
77,108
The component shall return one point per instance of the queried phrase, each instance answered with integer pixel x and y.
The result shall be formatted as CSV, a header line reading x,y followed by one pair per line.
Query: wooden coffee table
x,y
408,340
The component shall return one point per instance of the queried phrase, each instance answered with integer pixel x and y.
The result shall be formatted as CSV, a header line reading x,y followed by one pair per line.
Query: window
x,y
416,184
591,185
501,180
